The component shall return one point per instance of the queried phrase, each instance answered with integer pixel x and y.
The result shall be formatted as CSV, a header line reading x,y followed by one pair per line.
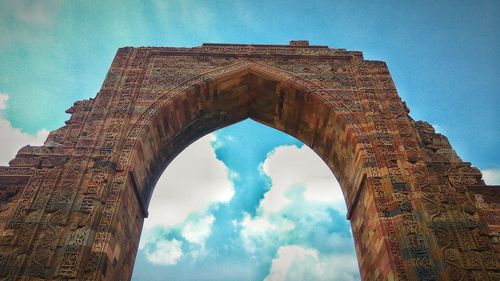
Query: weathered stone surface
x,y
73,209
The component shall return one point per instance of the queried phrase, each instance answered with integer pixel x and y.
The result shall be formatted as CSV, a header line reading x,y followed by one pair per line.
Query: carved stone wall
x,y
73,208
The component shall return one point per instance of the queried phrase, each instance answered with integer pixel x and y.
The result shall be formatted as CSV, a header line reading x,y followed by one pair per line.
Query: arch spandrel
x,y
75,206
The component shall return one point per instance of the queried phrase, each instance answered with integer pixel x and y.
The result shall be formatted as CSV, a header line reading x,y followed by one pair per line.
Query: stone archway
x,y
73,209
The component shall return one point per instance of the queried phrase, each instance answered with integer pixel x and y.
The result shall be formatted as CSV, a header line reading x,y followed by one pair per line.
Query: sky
x,y
264,207
253,220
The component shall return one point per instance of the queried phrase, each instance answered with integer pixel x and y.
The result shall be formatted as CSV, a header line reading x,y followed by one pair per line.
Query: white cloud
x,y
301,222
289,166
159,249
491,176
198,230
258,224
3,101
295,262
193,182
259,233
297,210
12,139
165,252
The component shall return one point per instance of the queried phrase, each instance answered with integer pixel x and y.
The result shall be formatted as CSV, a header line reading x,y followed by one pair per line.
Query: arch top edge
x,y
252,51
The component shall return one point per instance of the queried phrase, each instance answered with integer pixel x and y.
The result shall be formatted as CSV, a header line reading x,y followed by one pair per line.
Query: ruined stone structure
x,y
73,208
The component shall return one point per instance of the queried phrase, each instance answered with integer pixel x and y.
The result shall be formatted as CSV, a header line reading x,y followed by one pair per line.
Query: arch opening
x,y
286,208
248,93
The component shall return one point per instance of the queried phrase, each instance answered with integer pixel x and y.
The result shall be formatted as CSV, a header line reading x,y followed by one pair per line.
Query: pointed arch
x,y
230,94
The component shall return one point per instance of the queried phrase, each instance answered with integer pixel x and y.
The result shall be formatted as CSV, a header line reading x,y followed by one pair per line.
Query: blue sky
x,y
442,55
274,204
